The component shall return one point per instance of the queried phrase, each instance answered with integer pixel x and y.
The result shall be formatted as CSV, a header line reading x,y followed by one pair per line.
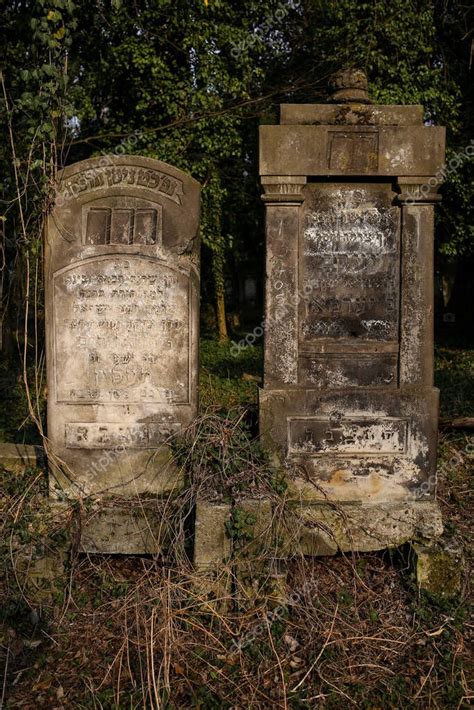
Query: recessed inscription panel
x,y
121,332
349,263
139,222
106,435
348,370
336,435
356,151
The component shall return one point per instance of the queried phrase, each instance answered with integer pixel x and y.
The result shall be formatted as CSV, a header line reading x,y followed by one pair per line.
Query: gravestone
x,y
122,290
348,405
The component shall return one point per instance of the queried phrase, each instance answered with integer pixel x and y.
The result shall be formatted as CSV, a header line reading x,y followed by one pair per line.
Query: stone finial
x,y
349,86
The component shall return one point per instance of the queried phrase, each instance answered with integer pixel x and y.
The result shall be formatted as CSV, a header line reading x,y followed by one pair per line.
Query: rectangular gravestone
x,y
348,404
122,294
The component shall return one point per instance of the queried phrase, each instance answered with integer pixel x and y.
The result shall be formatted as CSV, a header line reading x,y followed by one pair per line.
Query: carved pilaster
x,y
283,196
417,199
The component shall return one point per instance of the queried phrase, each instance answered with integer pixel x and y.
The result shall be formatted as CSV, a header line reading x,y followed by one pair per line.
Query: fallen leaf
x,y
32,644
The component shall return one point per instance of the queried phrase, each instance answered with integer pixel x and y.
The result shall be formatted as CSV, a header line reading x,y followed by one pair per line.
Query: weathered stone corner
x,y
211,544
241,550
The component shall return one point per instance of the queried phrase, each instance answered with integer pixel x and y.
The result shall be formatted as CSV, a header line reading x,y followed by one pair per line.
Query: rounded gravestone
x,y
122,290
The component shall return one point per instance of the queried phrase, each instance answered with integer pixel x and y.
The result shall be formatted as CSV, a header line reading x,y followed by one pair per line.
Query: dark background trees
x,y
188,82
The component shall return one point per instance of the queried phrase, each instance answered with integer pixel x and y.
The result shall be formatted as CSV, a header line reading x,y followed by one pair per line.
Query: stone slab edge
x,y
14,455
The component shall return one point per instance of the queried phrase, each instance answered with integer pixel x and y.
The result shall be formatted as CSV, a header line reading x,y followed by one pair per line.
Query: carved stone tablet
x,y
350,262
348,406
122,289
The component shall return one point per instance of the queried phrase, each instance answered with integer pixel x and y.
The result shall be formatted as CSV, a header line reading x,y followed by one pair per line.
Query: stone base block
x,y
251,527
116,473
212,545
134,530
332,452
15,457
325,529
438,567
212,552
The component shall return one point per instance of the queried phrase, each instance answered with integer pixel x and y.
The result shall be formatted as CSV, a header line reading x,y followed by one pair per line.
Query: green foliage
x,y
240,527
456,216
34,105
454,375
228,378
16,424
220,451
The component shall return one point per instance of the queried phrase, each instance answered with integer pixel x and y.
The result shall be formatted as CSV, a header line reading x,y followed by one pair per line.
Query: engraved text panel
x,y
336,435
349,258
121,330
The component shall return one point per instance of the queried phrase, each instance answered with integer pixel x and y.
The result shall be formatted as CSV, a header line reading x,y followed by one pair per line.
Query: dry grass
x,y
348,631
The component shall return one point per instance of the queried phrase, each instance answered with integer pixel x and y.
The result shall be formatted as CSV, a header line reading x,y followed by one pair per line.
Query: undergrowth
x,y
136,632
146,632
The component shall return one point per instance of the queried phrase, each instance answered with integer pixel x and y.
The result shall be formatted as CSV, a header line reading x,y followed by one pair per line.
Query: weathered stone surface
x,y
137,530
348,404
353,114
212,554
383,150
359,444
122,291
349,85
325,530
439,567
212,545
16,456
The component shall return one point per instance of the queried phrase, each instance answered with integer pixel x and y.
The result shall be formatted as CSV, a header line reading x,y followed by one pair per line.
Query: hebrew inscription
x,y
117,326
320,435
345,370
99,177
350,264
86,435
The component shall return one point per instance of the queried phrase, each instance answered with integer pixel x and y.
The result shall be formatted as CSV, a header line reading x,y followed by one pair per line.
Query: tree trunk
x,y
218,268
221,319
